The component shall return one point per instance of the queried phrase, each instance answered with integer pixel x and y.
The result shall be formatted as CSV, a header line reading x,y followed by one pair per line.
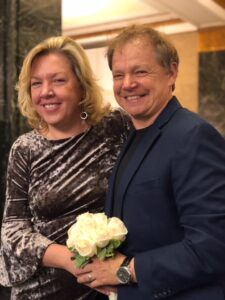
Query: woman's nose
x,y
46,90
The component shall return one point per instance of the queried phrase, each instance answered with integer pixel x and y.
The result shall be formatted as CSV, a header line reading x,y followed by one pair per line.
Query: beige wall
x,y
187,81
189,46
212,39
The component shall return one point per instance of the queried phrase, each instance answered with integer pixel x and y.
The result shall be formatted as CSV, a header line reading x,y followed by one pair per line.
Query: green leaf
x,y
116,243
109,250
101,254
73,250
81,261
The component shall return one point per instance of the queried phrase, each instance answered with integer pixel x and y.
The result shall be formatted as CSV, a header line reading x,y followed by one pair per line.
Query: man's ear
x,y
174,70
173,75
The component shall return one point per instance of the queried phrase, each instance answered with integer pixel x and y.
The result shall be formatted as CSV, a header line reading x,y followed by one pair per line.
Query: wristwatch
x,y
123,274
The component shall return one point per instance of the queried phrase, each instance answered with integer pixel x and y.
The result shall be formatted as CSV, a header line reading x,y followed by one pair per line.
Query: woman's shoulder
x,y
116,125
25,141
119,118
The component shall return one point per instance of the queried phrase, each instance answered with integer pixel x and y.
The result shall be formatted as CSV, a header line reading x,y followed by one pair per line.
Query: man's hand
x,y
100,273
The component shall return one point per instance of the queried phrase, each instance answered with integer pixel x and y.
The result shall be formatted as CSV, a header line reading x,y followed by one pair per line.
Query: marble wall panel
x,y
23,23
212,88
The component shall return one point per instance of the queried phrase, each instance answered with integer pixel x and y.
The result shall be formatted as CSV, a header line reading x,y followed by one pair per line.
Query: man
x,y
168,185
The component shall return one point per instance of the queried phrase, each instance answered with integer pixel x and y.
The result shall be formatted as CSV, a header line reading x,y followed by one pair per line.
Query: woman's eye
x,y
59,80
35,83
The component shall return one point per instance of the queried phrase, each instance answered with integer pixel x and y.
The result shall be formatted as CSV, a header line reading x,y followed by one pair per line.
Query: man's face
x,y
141,85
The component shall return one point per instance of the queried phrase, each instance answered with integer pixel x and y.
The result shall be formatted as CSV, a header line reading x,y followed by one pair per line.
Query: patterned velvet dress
x,y
49,183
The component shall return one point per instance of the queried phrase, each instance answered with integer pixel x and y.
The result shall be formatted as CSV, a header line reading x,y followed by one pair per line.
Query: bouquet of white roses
x,y
95,234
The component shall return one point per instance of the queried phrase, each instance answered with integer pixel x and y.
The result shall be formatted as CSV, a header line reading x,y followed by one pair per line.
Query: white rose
x,y
72,234
80,230
100,219
102,236
94,230
85,221
85,246
117,229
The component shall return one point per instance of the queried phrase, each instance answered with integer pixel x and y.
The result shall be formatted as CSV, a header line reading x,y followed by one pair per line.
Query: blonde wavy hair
x,y
93,103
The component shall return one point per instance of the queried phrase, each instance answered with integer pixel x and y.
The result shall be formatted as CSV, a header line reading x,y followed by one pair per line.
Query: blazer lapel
x,y
143,148
110,193
150,136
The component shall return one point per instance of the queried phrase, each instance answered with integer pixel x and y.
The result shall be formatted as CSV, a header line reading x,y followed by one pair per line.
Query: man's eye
x,y
140,72
117,76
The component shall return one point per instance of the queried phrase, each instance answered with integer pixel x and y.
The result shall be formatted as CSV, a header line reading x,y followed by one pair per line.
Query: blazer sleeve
x,y
198,179
21,247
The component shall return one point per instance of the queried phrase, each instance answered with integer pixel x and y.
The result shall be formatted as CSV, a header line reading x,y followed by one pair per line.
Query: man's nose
x,y
129,81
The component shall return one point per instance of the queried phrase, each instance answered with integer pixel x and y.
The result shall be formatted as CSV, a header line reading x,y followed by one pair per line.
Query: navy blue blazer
x,y
172,201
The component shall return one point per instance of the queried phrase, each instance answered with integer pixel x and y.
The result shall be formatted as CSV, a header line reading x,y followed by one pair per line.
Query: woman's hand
x,y
59,256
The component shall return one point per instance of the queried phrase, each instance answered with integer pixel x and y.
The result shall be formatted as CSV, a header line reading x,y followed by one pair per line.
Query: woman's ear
x,y
83,93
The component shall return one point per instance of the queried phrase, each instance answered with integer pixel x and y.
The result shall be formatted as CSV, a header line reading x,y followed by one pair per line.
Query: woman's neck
x,y
57,133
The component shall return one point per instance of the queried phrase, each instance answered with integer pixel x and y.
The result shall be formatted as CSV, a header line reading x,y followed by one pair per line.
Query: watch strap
x,y
126,262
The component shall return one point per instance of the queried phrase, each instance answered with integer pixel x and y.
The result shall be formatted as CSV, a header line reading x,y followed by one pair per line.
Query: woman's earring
x,y
84,115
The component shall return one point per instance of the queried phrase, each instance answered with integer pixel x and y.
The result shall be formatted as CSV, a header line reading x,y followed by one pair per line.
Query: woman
x,y
57,171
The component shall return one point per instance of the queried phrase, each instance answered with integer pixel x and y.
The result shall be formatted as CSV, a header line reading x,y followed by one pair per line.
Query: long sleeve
x,y
22,248
198,180
49,183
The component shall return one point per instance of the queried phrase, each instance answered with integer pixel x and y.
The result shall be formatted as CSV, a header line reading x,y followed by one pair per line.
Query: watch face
x,y
123,275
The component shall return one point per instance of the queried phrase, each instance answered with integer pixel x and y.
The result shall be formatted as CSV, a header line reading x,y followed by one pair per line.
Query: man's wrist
x,y
126,273
132,270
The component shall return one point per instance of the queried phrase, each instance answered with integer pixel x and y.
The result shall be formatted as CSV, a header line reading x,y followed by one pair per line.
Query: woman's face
x,y
56,91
